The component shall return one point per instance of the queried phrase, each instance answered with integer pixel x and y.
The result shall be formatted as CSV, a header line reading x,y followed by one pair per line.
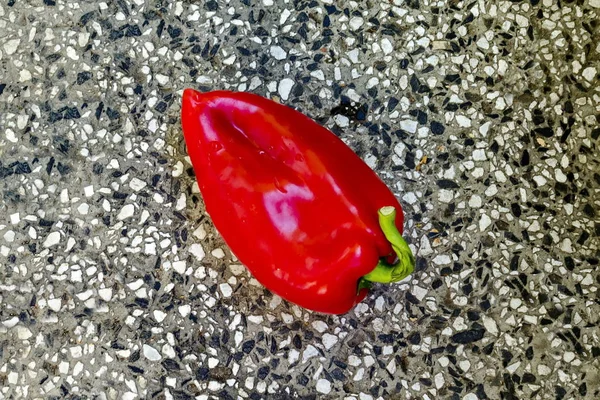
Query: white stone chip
x,y
197,251
151,353
22,121
492,190
320,75
10,136
439,381
285,87
442,259
569,356
543,370
218,253
126,212
52,239
323,386
356,23
372,82
24,75
540,180
278,52
200,232
185,310
159,316
371,161
256,319
513,367
11,322
484,222
72,53
483,43
83,208
83,39
285,14
12,378
10,46
479,155
320,326
445,195
137,184
588,280
490,325
329,340
131,396
410,198
463,121
475,201
353,56
522,21
409,125
309,353
419,292
225,289
484,129
590,73
391,367
341,120
23,333
105,294
560,176
55,304
9,236
180,266
567,246
15,218
387,46
359,375
293,356
162,79
150,248
88,191
135,285
237,269
425,247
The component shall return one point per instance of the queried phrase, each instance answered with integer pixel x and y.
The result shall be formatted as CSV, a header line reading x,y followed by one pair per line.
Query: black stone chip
x,y
447,184
136,370
263,372
437,128
211,5
171,365
248,346
545,131
472,335
132,30
84,76
415,84
22,168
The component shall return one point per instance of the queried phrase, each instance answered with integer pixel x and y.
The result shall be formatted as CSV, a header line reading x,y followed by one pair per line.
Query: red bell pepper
x,y
309,219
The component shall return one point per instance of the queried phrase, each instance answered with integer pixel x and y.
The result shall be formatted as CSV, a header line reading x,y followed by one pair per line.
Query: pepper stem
x,y
385,272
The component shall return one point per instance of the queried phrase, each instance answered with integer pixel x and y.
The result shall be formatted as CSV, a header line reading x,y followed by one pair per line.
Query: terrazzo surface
x,y
482,116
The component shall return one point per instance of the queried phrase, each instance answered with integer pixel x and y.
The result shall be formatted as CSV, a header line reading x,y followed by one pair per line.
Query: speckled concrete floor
x,y
483,117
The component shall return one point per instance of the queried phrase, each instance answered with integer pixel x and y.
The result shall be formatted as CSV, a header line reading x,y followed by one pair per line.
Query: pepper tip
x,y
189,94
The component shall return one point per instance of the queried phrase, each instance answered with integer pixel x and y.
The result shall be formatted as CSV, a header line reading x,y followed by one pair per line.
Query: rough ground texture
x,y
482,116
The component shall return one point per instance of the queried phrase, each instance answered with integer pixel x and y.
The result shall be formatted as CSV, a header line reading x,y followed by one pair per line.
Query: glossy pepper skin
x,y
293,202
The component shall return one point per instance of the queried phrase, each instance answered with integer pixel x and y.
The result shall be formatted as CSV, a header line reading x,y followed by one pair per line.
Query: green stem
x,y
385,272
